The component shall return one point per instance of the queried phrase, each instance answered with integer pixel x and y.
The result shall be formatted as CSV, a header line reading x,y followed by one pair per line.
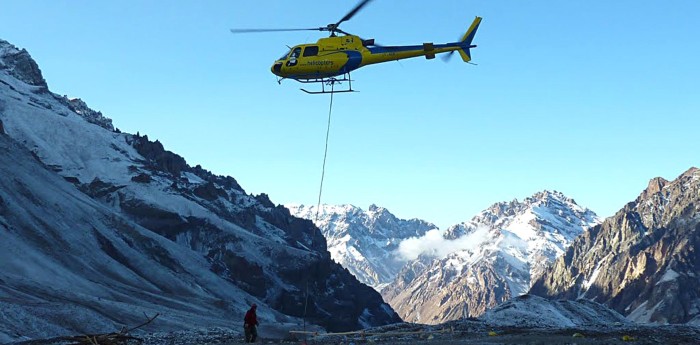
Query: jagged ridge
x,y
506,246
643,261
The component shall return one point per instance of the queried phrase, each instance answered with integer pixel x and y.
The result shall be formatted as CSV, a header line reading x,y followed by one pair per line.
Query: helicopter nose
x,y
276,68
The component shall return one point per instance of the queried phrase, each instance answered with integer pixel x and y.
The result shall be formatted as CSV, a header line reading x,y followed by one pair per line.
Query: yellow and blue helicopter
x,y
330,60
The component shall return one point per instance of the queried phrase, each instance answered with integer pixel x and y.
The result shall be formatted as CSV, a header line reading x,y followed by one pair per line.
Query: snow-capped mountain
x,y
364,242
643,261
98,227
505,247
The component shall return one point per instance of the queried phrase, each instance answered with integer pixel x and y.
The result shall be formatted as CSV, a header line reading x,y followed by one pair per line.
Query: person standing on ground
x,y
250,324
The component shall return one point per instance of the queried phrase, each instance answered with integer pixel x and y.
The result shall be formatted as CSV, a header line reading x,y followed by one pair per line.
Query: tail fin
x,y
466,41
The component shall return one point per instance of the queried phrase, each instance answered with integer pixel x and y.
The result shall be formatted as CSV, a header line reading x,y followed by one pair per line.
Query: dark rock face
x,y
227,182
209,191
264,200
336,298
142,178
158,157
21,66
161,160
644,261
79,107
97,188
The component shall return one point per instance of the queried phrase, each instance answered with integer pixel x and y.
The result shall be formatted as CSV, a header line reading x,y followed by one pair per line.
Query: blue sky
x,y
590,98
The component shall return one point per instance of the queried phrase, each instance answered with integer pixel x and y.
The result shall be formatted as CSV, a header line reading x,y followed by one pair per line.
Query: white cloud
x,y
434,244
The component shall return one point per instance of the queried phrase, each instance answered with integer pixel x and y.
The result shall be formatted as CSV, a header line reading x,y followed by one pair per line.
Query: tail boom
x,y
379,54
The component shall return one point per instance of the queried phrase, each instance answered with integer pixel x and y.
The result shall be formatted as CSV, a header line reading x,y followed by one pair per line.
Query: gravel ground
x,y
461,332
622,335
457,333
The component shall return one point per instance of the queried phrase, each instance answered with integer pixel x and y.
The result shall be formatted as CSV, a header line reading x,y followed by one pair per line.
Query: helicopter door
x,y
296,52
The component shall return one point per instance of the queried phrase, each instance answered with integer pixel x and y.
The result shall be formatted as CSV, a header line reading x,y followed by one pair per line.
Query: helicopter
x,y
330,60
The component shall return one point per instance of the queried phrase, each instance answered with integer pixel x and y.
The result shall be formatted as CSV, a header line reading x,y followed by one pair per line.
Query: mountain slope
x,y
643,261
364,242
537,312
505,247
70,264
130,226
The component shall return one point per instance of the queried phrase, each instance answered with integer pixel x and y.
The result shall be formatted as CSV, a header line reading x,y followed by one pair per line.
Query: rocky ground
x,y
461,332
475,332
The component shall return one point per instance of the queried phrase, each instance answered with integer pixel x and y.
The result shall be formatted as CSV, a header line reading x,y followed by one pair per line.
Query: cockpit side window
x,y
293,57
311,51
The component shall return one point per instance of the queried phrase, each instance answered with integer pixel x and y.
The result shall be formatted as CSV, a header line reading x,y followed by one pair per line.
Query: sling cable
x,y
318,204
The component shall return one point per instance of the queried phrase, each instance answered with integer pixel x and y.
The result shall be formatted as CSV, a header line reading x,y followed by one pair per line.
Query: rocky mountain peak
x,y
540,203
496,255
655,185
547,197
664,200
642,261
375,208
20,65
379,214
692,172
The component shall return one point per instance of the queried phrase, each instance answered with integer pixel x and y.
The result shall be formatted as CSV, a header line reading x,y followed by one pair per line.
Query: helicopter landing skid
x,y
325,82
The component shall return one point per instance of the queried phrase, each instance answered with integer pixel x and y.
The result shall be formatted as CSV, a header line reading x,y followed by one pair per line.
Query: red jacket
x,y
250,317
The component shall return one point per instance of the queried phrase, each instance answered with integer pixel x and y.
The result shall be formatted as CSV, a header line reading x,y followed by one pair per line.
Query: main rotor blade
x,y
243,31
353,11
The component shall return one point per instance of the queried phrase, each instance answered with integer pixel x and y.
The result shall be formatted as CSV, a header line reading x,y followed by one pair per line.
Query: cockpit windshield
x,y
284,57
